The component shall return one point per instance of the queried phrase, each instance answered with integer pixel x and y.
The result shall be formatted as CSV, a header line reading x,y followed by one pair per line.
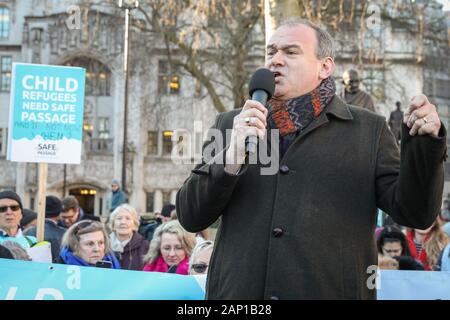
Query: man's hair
x,y
325,42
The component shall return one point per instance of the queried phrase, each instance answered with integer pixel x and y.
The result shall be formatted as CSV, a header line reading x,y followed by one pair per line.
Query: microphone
x,y
261,89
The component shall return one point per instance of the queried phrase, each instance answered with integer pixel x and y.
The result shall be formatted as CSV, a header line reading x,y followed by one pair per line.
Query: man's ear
x,y
327,68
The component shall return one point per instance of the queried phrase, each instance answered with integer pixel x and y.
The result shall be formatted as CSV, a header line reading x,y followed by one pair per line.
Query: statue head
x,y
351,80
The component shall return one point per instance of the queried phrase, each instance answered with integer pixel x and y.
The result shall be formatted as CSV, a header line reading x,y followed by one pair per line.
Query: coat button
x,y
274,298
284,169
277,232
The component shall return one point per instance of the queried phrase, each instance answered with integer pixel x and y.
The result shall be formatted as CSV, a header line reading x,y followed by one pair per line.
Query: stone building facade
x,y
162,100
159,101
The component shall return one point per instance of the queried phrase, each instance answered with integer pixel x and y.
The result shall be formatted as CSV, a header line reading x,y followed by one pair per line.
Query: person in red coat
x,y
170,249
426,245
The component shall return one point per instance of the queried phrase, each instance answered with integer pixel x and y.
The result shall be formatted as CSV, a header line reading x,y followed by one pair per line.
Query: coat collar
x,y
339,109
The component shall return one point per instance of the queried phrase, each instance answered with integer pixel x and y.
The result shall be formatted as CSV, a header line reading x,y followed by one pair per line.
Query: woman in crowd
x,y
87,244
170,249
128,245
17,250
199,261
392,242
426,245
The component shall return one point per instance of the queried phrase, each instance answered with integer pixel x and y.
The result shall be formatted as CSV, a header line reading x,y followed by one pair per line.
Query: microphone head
x,y
262,79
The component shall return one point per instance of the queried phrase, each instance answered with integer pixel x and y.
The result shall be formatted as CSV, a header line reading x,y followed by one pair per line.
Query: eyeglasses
x,y
200,267
13,208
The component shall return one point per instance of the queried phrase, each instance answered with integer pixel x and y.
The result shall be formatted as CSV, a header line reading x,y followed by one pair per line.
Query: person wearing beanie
x,y
52,232
29,219
10,216
118,197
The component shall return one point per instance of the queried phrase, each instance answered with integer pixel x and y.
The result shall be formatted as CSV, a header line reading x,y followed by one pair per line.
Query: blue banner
x,y
24,280
414,285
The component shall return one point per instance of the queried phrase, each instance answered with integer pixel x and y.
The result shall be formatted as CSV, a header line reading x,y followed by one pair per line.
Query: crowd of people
x,y
120,242
401,248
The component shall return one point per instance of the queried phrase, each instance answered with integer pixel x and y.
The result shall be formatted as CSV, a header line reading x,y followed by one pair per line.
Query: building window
x,y
150,201
6,68
4,22
103,128
167,143
152,143
98,76
168,78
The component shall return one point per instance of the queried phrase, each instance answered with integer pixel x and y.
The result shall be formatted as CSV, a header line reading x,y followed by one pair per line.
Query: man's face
x,y
291,56
114,187
69,217
10,214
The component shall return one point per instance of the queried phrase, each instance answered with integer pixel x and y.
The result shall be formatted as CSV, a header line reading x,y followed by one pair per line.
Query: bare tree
x,y
216,42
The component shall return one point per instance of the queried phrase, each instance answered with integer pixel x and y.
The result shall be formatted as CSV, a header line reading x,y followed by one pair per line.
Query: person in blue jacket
x,y
87,244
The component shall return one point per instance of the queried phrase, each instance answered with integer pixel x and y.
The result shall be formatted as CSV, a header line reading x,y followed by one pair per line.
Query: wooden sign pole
x,y
42,191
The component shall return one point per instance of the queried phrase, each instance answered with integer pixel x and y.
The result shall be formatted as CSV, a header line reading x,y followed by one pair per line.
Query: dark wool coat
x,y
307,232
133,252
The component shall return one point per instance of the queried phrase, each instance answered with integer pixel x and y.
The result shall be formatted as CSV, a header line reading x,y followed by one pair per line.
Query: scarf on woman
x,y
159,265
116,244
294,115
68,257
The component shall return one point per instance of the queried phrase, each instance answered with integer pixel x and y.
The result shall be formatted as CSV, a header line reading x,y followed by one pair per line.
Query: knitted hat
x,y
167,209
27,216
53,206
115,181
9,194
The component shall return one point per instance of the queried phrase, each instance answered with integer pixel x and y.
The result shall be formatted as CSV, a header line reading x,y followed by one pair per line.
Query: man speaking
x,y
307,232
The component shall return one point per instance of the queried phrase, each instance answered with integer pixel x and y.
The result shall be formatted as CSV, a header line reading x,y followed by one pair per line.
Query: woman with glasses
x,y
128,245
87,244
10,215
170,249
199,261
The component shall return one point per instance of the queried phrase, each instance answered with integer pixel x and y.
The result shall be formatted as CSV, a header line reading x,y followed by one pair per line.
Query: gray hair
x,y
127,208
71,238
187,240
198,248
17,251
325,42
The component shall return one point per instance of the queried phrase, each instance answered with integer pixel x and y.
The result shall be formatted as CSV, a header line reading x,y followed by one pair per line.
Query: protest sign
x,y
46,114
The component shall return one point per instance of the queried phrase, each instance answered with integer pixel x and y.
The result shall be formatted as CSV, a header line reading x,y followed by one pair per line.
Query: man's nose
x,y
277,59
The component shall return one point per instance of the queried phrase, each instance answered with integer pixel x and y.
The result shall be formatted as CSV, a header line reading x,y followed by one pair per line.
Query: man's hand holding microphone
x,y
251,123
